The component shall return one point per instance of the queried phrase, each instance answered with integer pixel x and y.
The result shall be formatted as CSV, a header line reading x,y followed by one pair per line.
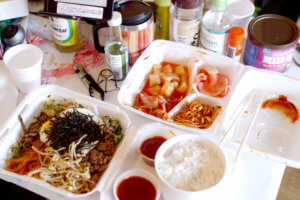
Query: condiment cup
x,y
136,172
24,62
149,131
172,192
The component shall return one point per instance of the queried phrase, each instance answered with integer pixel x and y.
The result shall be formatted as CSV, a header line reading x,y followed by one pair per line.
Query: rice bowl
x,y
190,165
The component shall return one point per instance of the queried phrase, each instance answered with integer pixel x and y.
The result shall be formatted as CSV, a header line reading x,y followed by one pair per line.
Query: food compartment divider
x,y
33,103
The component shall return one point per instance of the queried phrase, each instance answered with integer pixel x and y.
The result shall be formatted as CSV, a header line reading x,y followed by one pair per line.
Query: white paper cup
x,y
241,12
24,62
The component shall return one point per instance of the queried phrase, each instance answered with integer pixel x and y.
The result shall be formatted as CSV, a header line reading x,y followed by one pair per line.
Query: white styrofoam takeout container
x,y
281,146
193,58
31,107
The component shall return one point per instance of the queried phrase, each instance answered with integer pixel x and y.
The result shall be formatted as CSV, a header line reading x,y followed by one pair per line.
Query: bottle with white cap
x,y
116,50
215,27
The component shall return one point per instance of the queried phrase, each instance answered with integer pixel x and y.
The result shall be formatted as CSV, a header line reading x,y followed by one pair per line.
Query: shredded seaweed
x,y
71,126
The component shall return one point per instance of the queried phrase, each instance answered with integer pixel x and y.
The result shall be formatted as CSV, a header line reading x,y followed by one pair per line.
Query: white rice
x,y
191,166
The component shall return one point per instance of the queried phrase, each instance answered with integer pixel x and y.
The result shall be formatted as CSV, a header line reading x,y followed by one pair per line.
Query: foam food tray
x,y
30,107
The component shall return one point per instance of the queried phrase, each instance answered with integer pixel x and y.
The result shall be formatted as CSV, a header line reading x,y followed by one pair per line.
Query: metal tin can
x,y
271,42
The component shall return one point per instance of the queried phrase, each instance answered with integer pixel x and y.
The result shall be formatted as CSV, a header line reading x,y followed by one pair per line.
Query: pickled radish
x,y
165,87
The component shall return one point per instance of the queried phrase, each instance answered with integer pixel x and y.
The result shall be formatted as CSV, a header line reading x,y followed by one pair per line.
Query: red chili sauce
x,y
136,188
150,146
283,105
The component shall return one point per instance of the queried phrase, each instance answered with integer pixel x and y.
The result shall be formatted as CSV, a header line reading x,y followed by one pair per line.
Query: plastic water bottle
x,y
215,27
116,50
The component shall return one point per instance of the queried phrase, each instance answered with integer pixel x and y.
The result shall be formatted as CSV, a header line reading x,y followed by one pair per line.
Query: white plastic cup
x,y
24,62
136,172
241,12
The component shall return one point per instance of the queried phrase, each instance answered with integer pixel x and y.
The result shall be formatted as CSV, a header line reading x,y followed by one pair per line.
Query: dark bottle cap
x,y
13,35
187,4
9,31
273,31
133,12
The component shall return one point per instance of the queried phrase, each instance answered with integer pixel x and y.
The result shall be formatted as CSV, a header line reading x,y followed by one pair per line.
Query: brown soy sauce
x,y
136,188
150,146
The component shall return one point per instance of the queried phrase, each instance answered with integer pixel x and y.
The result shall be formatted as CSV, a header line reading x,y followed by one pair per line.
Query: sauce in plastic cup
x,y
24,63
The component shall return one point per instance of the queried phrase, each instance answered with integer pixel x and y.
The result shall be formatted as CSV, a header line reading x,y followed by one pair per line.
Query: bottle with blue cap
x,y
215,27
116,50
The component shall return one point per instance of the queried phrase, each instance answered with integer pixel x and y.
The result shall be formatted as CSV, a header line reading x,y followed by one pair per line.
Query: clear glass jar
x,y
185,20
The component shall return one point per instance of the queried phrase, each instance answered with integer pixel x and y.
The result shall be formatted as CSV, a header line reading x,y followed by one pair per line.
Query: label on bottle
x,y
79,10
118,65
234,52
231,51
102,3
264,58
184,32
215,41
64,31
